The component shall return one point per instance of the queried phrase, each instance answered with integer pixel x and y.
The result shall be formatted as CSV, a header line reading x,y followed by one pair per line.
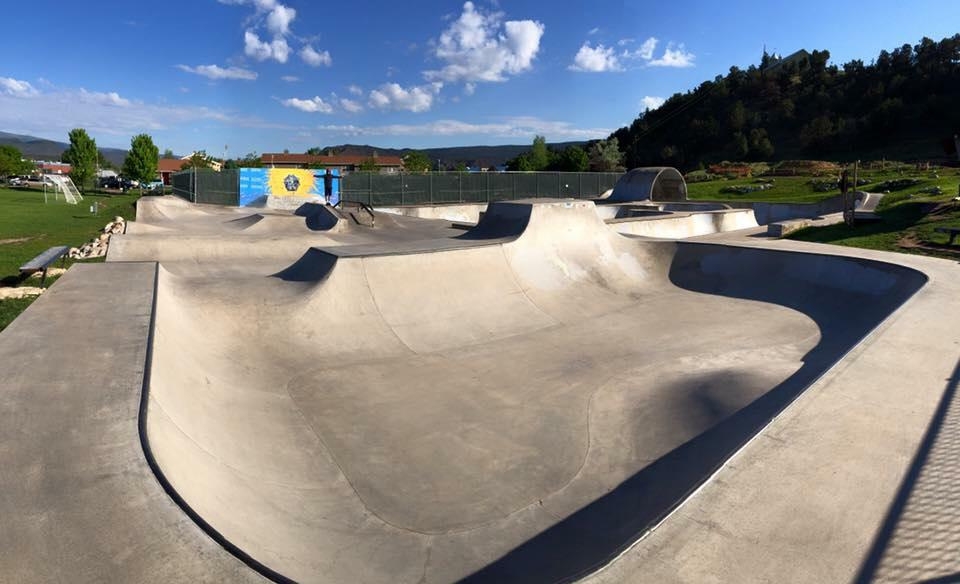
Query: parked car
x,y
109,182
16,181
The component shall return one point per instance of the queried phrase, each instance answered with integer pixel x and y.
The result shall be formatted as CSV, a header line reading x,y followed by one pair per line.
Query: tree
x,y
314,151
416,161
539,155
82,157
12,162
198,159
605,155
368,165
141,161
521,163
168,154
572,159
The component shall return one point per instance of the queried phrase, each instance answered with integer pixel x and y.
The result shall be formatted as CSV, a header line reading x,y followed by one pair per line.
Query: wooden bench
x,y
44,261
953,231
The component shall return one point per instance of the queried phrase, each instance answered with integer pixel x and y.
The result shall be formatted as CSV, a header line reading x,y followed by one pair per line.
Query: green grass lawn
x,y
908,221
28,227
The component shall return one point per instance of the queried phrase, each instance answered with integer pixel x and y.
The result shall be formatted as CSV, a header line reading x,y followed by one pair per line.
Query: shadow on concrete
x,y
844,311
919,540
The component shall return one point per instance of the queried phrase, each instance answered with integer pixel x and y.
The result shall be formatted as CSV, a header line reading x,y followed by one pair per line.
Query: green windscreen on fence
x,y
380,190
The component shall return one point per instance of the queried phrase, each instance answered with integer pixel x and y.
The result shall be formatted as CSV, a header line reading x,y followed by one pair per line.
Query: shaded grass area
x,y
28,227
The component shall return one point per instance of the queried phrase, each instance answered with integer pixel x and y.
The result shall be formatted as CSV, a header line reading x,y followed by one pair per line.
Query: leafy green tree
x,y
103,162
416,161
141,161
168,154
461,167
760,146
572,159
12,162
521,163
82,157
198,159
605,155
539,154
315,151
368,165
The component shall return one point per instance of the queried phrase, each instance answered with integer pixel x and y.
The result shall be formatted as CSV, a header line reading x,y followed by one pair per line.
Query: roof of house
x,y
169,165
333,159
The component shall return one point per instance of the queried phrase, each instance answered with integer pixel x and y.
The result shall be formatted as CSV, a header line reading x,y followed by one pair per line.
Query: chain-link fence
x,y
208,186
374,189
460,187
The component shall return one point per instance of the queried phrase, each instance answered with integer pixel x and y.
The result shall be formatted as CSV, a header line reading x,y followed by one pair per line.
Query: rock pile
x,y
97,246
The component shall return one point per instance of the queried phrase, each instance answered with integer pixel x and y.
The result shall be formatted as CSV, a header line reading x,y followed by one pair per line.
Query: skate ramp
x,y
518,404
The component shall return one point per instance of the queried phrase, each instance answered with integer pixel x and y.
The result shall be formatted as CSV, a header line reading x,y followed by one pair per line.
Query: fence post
x,y
537,176
460,186
488,188
559,188
579,185
430,187
402,189
514,185
369,188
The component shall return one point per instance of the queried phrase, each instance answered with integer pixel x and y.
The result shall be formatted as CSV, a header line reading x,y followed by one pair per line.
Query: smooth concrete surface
x,y
523,402
679,225
78,501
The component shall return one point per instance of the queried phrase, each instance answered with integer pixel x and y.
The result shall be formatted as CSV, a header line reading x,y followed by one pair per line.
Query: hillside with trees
x,y
902,105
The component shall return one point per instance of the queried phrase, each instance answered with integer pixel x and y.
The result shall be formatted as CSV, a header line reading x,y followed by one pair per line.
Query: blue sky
x,y
237,76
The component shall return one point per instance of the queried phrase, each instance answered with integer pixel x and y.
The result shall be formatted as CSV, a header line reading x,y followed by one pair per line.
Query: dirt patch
x,y
910,241
21,292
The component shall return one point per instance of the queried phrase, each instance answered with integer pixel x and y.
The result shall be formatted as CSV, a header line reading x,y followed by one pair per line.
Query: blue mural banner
x,y
303,183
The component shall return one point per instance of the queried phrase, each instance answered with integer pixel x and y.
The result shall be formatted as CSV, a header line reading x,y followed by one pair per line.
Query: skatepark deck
x,y
524,402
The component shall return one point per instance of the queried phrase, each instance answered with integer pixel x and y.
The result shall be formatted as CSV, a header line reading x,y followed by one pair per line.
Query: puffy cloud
x,y
482,47
290,78
601,58
217,72
16,87
355,90
313,58
650,102
312,105
595,59
674,57
277,49
415,99
279,19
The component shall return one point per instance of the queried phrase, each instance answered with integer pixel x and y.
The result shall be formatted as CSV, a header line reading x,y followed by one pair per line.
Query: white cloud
x,y
519,127
217,72
104,115
646,50
313,58
16,87
109,99
595,59
674,57
481,47
312,105
290,78
650,102
279,19
351,105
355,90
415,99
277,49
469,88
593,30
601,58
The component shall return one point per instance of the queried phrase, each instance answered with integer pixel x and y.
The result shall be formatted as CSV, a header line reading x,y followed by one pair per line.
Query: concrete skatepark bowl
x,y
519,402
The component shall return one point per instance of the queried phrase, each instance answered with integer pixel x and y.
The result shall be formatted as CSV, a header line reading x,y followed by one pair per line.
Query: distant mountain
x,y
43,149
484,156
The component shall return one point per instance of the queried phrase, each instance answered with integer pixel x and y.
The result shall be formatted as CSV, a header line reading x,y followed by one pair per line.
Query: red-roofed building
x,y
53,167
167,167
349,163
